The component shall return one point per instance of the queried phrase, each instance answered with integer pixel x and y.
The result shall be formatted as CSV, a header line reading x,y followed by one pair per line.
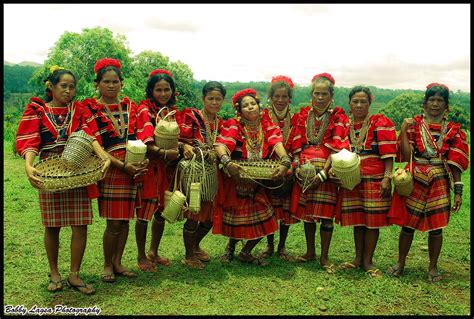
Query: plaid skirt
x,y
204,215
363,206
251,219
428,206
281,206
315,203
119,195
69,208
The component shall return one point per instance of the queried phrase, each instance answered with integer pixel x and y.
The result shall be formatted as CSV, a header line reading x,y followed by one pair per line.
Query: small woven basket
x,y
58,176
166,132
257,169
77,150
136,151
346,166
174,208
403,182
195,198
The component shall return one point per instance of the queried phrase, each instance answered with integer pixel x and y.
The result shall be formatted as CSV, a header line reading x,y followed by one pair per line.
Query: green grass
x,y
283,288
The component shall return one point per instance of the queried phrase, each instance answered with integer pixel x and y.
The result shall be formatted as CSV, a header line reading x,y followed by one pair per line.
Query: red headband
x,y
243,93
325,75
102,63
429,86
160,71
283,78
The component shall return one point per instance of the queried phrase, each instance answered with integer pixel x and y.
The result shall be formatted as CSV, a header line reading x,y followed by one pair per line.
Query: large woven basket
x,y
403,182
346,166
57,176
136,151
77,150
166,132
252,169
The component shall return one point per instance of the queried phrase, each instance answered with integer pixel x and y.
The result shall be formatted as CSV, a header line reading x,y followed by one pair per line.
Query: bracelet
x,y
321,177
285,161
323,174
225,160
387,174
459,183
458,188
165,155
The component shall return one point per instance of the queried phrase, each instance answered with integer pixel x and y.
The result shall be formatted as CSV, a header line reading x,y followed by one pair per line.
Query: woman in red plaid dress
x,y
324,131
242,209
118,190
440,154
43,130
199,130
365,207
280,95
161,98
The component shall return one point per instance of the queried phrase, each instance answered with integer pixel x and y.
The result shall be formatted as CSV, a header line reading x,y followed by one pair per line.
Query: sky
x,y
393,46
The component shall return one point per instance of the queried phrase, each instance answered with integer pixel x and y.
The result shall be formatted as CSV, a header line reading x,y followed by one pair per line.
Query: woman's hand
x,y
105,167
406,123
280,172
171,154
457,203
188,151
135,169
33,177
234,170
386,187
333,178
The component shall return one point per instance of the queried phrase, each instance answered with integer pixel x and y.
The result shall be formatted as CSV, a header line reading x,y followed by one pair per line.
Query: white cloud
x,y
392,45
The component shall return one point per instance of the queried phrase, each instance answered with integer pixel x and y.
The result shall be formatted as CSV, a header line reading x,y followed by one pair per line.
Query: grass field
x,y
283,288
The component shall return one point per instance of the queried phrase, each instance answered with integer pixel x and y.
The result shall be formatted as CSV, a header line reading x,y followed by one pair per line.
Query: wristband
x,y
323,174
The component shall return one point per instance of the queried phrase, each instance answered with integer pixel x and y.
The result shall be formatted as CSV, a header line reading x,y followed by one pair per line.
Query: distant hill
x,y
24,63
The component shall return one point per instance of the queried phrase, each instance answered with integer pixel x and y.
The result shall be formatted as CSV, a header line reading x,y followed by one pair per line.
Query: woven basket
x,y
195,198
136,151
77,150
306,175
57,176
263,169
166,132
346,167
174,208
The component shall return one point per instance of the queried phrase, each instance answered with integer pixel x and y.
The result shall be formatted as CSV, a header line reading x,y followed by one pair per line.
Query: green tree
x,y
403,106
78,52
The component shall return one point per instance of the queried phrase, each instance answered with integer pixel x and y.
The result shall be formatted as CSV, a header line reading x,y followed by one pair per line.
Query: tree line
x,y
79,52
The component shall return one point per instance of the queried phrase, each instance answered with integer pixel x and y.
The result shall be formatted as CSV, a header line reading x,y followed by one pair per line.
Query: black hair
x,y
213,86
278,85
239,108
323,80
444,92
54,79
360,88
102,71
151,85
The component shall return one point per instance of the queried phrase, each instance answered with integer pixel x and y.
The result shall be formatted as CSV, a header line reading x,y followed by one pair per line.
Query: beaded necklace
x,y
52,119
285,116
210,135
358,141
253,139
120,127
432,147
315,133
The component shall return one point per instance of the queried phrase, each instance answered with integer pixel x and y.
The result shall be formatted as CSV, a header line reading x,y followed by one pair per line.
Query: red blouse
x,y
36,131
193,128
293,143
381,138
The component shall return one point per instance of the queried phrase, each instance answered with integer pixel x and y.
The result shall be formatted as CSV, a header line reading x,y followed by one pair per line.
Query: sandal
x,y
85,289
267,253
156,259
436,277
374,273
227,256
249,259
305,258
285,255
330,269
108,277
347,265
395,270
54,286
125,273
202,255
193,263
146,266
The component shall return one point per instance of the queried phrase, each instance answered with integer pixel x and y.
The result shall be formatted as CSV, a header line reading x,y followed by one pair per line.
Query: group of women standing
x,y
242,209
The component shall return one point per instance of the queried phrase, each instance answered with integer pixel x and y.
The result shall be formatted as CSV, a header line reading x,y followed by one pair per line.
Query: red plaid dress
x,y
118,191
364,206
37,134
428,207
242,210
193,129
281,201
156,181
319,202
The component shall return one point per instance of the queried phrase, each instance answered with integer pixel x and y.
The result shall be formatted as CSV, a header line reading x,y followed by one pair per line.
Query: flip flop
x,y
396,271
146,266
374,273
194,264
436,277
89,290
54,286
347,265
249,259
158,260
202,255
108,277
284,255
265,254
330,269
125,273
304,259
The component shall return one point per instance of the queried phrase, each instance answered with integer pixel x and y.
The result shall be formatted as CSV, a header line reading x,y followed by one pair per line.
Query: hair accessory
x,y
55,68
324,75
429,86
282,78
102,63
237,96
160,71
